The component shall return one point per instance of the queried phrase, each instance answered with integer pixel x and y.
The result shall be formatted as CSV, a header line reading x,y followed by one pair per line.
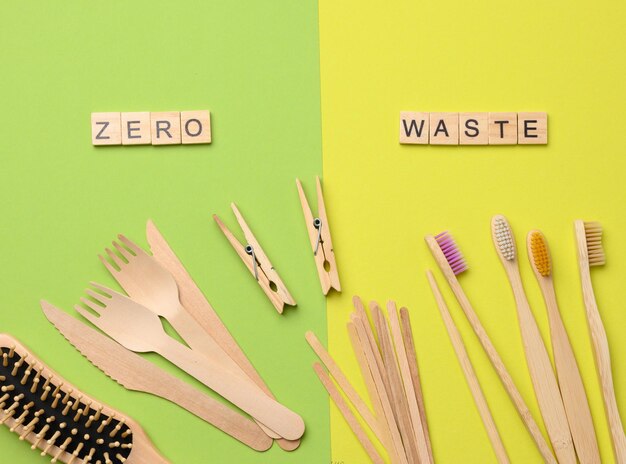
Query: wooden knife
x,y
137,374
195,303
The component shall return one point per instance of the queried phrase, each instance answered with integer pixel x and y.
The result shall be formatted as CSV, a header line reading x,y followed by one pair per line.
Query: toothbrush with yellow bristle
x,y
591,253
570,380
451,262
539,366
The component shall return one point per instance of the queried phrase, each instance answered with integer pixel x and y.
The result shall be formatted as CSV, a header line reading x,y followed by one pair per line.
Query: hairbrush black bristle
x,y
43,409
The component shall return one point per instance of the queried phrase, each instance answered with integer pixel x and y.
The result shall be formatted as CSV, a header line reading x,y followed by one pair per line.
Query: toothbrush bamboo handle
x,y
470,374
247,397
570,381
602,357
542,375
502,372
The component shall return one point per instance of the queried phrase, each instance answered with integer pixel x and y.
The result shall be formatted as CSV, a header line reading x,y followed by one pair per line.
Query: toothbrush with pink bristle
x,y
452,263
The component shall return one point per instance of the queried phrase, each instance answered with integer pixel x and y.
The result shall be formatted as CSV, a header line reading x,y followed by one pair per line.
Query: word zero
x,y
144,128
473,128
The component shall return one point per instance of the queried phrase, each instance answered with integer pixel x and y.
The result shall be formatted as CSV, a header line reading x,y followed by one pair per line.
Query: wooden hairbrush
x,y
60,420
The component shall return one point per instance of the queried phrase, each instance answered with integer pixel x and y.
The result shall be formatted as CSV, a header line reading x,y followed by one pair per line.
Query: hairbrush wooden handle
x,y
62,421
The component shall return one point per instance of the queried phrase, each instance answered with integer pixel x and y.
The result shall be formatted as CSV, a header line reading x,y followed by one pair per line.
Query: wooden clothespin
x,y
319,235
258,263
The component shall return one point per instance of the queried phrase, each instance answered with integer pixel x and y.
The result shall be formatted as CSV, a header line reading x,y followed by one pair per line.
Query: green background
x,y
255,66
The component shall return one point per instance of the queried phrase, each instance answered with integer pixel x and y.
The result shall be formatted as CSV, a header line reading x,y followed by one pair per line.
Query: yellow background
x,y
566,58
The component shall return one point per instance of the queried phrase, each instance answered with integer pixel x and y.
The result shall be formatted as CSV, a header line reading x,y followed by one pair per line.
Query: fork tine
x,y
87,315
108,265
91,305
108,292
96,296
116,259
123,251
130,244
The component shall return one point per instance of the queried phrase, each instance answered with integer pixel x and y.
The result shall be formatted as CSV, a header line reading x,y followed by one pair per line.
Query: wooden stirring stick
x,y
344,383
347,414
373,393
398,448
468,371
409,389
397,397
409,346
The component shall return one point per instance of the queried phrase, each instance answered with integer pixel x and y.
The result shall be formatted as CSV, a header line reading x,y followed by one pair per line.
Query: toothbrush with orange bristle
x,y
570,380
541,373
451,262
591,253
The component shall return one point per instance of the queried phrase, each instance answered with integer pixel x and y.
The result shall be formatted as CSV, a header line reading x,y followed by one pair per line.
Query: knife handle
x,y
212,411
248,397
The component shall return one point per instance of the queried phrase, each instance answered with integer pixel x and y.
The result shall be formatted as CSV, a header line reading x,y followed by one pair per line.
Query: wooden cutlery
x,y
148,283
139,329
196,304
136,373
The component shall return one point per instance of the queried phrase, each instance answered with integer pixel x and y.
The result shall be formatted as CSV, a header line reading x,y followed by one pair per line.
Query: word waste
x,y
473,128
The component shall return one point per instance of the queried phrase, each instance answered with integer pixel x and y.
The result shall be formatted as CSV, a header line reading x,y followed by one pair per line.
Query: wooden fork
x,y
151,285
138,329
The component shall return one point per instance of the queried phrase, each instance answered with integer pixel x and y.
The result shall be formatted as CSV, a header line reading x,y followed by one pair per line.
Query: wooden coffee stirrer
x,y
409,346
398,400
352,421
417,420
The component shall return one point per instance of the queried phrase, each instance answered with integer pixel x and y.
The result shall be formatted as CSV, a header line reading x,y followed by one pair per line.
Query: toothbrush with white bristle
x,y
451,263
541,372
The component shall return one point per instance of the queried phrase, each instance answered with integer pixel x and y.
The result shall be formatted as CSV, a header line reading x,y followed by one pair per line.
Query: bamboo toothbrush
x,y
591,253
570,380
470,374
541,373
451,262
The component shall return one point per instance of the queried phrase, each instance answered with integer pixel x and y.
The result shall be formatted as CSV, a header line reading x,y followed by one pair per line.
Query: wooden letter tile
x,y
502,128
444,128
165,128
532,128
195,126
136,128
105,129
414,127
474,128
